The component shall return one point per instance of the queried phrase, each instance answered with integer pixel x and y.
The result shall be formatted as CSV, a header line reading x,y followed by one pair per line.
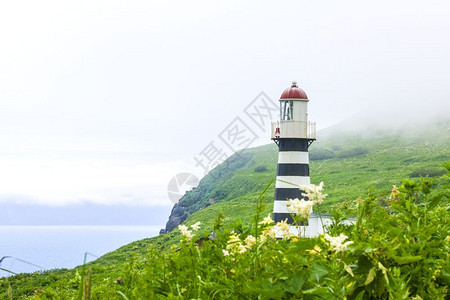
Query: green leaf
x,y
364,264
371,276
295,282
349,270
380,286
401,260
318,271
317,291
368,250
122,294
435,201
267,289
444,274
359,296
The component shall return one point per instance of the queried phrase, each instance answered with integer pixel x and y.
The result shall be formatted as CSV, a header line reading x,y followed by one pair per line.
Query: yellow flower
x,y
315,250
293,237
395,192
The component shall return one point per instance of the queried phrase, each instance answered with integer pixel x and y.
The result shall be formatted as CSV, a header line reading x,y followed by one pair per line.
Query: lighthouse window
x,y
286,110
291,106
281,110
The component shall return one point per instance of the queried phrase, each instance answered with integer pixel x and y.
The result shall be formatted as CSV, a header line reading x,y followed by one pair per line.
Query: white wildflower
x,y
185,232
301,208
337,243
267,233
282,229
233,243
182,228
196,226
234,238
313,192
249,241
267,220
242,248
263,237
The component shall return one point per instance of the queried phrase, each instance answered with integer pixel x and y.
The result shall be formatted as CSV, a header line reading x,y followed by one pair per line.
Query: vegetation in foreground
x,y
231,190
397,248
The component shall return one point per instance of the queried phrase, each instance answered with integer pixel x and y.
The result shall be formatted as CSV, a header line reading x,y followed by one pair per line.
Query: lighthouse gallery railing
x,y
294,129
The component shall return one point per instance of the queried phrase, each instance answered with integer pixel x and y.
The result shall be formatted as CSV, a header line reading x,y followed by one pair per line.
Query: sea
x,y
26,249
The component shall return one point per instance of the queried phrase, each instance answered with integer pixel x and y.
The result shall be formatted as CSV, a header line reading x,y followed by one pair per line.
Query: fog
x,y
104,102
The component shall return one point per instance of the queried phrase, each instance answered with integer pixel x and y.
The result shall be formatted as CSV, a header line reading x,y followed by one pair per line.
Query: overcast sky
x,y
105,101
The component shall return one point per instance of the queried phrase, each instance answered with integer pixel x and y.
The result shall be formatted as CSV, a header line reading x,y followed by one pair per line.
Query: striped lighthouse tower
x,y
293,134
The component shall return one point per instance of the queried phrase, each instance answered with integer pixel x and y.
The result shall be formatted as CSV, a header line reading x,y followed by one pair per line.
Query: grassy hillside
x,y
348,162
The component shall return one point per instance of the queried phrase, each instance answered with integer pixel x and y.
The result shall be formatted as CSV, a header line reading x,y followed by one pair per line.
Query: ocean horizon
x,y
27,249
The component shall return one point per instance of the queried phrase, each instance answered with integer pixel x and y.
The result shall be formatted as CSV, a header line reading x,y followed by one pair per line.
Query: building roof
x,y
294,92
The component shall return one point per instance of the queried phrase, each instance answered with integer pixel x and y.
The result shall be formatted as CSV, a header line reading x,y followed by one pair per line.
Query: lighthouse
x,y
293,134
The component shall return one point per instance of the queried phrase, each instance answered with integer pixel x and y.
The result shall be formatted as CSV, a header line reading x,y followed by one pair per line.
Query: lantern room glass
x,y
286,110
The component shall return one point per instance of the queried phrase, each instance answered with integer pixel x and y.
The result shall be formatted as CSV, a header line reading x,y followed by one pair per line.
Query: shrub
x,y
320,154
260,169
409,160
352,152
427,172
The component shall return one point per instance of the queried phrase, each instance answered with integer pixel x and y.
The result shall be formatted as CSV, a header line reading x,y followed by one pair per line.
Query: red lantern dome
x,y
294,92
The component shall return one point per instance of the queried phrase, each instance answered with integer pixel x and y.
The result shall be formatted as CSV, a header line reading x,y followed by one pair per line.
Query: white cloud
x,y
57,181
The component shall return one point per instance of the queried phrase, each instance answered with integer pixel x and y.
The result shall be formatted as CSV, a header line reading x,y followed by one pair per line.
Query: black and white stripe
x,y
292,172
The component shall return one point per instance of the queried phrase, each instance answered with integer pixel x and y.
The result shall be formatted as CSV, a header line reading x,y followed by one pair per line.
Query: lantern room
x,y
293,116
291,103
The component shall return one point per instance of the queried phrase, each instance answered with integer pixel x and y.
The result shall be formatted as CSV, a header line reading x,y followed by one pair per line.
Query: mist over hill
x,y
393,120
